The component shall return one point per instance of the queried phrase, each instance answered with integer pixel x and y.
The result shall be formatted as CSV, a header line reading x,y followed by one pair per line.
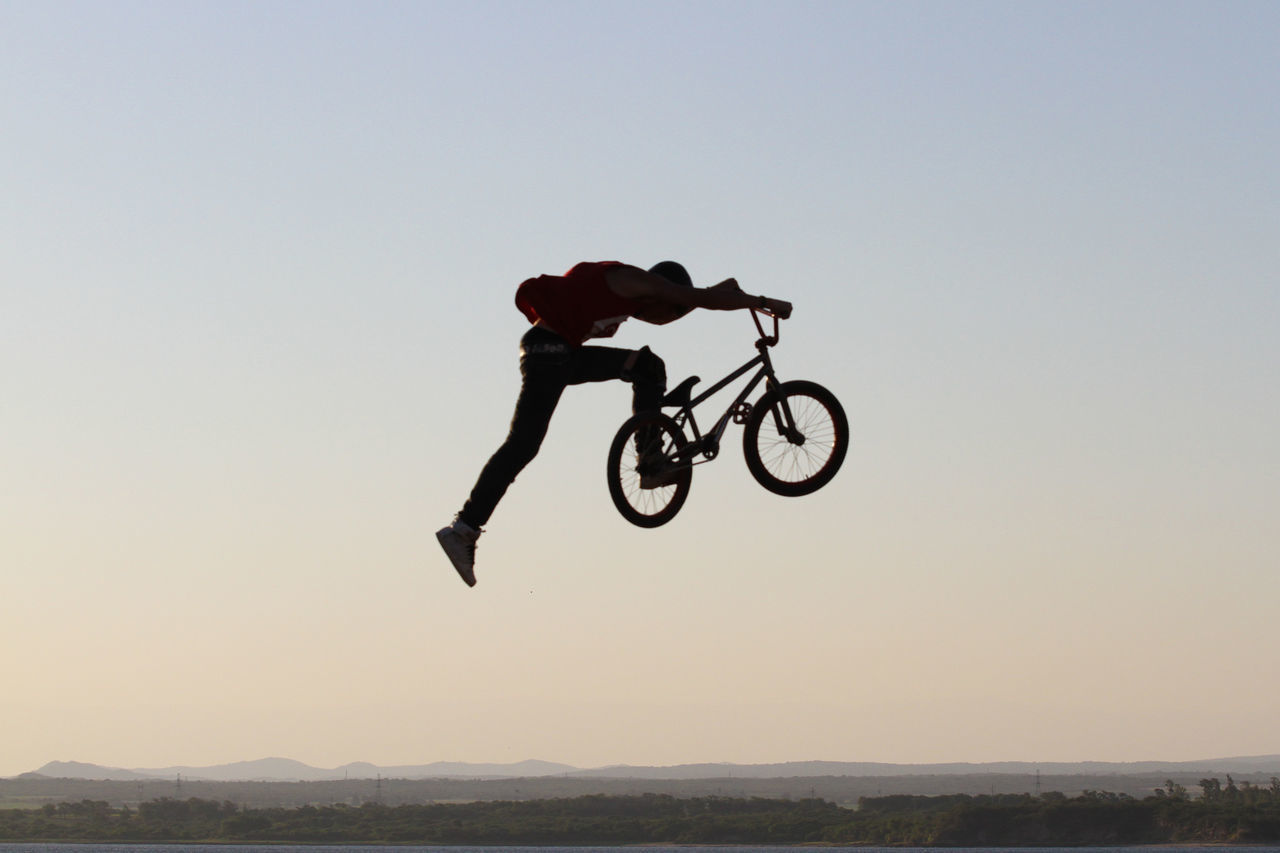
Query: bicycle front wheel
x,y
796,438
646,443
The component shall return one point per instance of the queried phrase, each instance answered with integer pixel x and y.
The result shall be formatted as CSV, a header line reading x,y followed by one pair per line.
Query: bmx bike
x,y
795,439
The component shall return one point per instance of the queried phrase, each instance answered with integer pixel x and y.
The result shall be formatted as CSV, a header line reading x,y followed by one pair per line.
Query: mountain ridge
x,y
276,769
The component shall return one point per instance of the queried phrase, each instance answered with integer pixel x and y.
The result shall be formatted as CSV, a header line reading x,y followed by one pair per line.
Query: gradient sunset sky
x,y
257,338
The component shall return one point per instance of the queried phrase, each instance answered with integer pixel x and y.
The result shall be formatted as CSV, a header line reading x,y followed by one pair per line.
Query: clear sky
x,y
257,337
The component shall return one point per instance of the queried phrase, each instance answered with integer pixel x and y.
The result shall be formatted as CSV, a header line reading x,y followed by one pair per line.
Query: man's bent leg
x,y
645,371
647,374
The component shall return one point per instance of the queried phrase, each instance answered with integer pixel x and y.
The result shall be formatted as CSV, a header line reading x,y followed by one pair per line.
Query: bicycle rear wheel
x,y
800,461
662,438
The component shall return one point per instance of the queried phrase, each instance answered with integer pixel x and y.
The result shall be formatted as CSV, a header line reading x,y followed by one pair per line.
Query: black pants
x,y
547,365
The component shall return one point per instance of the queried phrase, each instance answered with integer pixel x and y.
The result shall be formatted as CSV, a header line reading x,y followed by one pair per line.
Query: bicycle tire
x,y
787,467
646,507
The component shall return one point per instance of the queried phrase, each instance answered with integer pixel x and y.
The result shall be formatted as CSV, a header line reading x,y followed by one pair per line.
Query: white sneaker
x,y
459,543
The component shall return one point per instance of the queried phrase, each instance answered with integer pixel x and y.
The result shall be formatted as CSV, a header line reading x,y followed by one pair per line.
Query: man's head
x,y
666,312
672,272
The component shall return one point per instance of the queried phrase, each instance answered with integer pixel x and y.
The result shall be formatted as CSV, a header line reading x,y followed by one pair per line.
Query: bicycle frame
x,y
708,444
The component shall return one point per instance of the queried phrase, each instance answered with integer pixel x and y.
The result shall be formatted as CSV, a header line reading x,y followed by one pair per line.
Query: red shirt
x,y
577,305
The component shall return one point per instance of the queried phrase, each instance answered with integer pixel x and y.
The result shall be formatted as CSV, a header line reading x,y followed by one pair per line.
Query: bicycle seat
x,y
679,395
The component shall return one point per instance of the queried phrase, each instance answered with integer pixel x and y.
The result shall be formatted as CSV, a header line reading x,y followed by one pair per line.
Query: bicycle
x,y
794,440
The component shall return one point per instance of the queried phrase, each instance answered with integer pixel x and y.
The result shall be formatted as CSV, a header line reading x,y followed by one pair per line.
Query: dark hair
x,y
672,272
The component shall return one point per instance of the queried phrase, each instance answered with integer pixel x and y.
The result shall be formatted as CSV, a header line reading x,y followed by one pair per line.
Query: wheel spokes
x,y
791,461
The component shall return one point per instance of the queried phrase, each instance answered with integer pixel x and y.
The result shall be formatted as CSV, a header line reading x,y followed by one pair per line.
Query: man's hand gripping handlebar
x,y
778,308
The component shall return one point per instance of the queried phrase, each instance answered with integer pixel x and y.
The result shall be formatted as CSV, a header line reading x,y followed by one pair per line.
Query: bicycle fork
x,y
783,420
786,422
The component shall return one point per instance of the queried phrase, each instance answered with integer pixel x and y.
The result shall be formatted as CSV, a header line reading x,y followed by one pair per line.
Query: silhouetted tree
x,y
1172,790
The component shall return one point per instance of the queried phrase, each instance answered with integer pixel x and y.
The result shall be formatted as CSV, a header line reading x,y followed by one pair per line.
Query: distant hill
x,y
288,770
80,770
798,769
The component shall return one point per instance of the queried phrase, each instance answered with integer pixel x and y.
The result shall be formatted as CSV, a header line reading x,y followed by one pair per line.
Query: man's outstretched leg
x,y
543,361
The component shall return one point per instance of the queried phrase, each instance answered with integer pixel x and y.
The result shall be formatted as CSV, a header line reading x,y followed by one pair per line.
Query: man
x,y
589,301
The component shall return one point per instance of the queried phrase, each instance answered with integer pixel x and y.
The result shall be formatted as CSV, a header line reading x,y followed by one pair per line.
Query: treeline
x,y
1228,813
589,820
32,791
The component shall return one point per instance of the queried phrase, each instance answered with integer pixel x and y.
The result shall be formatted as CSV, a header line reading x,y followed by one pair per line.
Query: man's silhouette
x,y
589,301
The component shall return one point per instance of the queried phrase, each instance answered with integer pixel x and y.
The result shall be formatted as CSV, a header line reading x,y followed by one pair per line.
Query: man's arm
x,y
634,283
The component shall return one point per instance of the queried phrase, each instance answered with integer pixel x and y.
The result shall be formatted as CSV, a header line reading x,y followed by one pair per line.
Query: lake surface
x,y
708,848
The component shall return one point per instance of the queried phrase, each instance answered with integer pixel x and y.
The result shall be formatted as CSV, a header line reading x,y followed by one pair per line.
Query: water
x,y
349,848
